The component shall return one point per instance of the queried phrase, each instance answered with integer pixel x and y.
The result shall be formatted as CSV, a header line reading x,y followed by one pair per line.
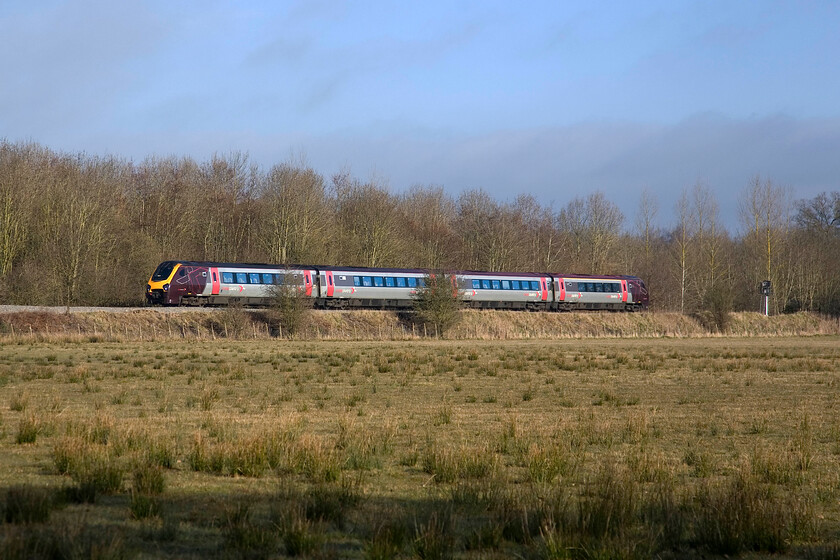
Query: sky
x,y
549,98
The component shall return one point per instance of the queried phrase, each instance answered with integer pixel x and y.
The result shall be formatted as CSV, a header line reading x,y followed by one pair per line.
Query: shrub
x,y
249,538
148,479
144,506
434,539
744,515
290,306
437,304
28,430
387,540
27,504
717,305
95,472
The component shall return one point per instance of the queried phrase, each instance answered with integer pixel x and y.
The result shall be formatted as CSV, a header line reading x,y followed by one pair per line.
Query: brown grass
x,y
606,447
243,324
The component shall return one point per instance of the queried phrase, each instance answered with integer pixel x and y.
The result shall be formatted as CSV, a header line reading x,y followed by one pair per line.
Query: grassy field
x,y
596,448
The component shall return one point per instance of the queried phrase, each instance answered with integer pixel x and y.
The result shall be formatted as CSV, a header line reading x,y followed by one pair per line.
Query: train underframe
x,y
400,304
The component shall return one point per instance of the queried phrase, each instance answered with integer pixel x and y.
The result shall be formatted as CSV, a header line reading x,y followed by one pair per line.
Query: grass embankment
x,y
606,448
153,324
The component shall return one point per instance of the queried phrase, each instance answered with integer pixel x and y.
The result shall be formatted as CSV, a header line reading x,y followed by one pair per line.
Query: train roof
x,y
383,270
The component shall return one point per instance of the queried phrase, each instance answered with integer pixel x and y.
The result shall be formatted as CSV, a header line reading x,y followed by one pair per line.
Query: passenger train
x,y
211,283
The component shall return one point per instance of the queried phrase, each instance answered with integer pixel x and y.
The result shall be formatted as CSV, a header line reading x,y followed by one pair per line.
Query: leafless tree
x,y
429,220
295,216
371,229
764,209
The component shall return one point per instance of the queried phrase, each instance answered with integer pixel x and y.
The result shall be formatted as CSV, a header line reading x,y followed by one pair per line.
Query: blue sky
x,y
555,99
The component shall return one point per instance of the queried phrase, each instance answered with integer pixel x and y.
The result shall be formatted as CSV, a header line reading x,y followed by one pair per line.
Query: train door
x,y
544,288
307,282
330,284
214,278
624,291
561,294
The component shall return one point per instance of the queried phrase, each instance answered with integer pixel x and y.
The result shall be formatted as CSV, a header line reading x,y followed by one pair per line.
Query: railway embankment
x,y
162,324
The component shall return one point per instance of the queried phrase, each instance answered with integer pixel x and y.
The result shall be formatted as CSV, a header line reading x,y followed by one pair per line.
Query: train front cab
x,y
174,283
639,296
157,288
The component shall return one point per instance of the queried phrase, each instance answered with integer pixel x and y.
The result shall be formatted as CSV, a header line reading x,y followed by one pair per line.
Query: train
x,y
334,287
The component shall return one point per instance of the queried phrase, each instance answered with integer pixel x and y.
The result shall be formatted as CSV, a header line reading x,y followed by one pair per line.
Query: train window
x,y
497,285
612,288
535,285
254,277
389,282
378,281
367,281
163,270
476,284
357,281
278,279
182,272
421,282
514,284
412,282
241,278
485,284
227,277
400,282
267,278
599,287
506,284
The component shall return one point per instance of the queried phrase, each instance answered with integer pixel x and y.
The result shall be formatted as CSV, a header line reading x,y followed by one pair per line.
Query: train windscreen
x,y
163,270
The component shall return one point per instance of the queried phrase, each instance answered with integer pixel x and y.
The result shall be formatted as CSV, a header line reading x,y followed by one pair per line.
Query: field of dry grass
x,y
575,448
255,324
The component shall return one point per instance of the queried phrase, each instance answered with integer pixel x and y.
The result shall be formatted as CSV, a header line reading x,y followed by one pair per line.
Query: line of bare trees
x,y
79,229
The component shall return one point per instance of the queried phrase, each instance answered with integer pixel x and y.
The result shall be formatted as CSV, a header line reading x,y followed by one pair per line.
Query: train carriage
x,y
499,290
579,292
382,288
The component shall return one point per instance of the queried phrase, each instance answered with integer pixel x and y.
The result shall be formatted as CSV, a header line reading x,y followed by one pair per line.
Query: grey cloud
x,y
620,159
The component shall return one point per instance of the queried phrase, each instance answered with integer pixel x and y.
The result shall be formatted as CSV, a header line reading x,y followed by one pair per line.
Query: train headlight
x,y
166,287
148,287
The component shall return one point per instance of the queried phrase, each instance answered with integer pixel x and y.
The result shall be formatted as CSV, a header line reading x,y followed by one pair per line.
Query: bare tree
x,y
605,219
74,217
228,216
488,230
293,198
820,214
764,212
429,219
681,243
707,239
167,205
16,187
369,217
646,220
544,242
593,226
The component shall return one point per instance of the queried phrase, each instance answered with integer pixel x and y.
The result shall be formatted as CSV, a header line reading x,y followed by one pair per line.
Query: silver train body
x,y
207,283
